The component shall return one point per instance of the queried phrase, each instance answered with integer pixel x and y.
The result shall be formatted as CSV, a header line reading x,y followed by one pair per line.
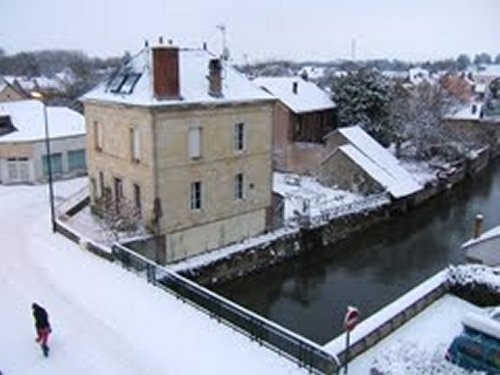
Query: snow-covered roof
x,y
491,70
35,83
482,323
193,83
312,72
470,111
307,98
27,117
378,162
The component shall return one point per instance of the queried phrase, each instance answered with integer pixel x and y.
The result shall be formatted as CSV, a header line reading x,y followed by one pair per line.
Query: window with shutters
x,y
194,142
135,144
98,135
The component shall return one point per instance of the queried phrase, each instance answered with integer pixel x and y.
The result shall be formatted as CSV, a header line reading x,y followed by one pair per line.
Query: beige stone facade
x,y
165,170
8,93
340,171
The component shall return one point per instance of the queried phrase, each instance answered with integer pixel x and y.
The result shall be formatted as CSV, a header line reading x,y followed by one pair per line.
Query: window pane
x,y
137,198
239,136
55,164
76,160
238,186
196,202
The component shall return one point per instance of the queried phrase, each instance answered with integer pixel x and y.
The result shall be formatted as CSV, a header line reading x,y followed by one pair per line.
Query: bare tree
x,y
117,217
416,116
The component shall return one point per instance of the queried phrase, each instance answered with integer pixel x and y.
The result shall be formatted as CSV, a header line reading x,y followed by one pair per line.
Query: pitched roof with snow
x,y
193,83
469,111
27,118
379,163
307,98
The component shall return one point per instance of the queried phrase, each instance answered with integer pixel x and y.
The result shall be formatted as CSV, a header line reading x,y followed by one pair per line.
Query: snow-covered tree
x,y
362,97
463,61
482,58
416,116
117,218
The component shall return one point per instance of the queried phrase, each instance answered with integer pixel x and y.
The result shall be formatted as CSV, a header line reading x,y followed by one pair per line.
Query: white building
x,y
22,142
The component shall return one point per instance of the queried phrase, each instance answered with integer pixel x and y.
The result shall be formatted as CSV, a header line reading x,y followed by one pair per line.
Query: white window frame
x,y
194,142
239,137
196,196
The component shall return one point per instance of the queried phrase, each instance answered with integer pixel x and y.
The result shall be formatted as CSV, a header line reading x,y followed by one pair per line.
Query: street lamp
x,y
39,96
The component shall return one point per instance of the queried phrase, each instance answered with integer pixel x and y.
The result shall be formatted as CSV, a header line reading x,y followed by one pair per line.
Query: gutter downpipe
x,y
160,255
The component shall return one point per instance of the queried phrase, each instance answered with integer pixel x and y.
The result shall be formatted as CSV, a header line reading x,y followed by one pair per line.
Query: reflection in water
x,y
310,293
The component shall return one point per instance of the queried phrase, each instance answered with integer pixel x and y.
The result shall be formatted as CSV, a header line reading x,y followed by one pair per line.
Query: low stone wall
x,y
263,256
246,262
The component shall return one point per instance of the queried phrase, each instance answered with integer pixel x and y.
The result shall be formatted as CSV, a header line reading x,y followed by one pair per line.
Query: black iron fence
x,y
305,352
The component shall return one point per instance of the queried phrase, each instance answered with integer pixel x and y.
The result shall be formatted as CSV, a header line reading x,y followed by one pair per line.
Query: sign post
x,y
351,319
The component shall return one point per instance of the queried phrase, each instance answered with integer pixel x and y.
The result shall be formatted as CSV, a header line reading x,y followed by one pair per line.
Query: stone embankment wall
x,y
263,256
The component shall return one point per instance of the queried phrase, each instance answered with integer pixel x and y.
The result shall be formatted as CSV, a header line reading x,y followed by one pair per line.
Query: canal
x,y
309,294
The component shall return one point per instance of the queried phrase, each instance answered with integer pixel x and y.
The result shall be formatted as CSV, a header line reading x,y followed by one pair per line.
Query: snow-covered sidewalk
x,y
419,346
105,320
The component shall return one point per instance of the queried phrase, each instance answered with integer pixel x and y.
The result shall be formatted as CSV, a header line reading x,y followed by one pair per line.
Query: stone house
x,y
470,123
23,157
186,140
11,92
303,115
359,164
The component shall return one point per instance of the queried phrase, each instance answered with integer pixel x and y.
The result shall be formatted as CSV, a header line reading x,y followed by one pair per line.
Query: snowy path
x,y
105,320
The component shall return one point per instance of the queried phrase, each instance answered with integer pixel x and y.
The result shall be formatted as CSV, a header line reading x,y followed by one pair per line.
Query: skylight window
x,y
123,83
116,82
129,83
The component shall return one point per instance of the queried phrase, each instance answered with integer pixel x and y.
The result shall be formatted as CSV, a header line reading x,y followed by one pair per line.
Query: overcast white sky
x,y
259,29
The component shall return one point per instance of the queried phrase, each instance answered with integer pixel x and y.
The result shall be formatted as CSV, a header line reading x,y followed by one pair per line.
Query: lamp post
x,y
39,96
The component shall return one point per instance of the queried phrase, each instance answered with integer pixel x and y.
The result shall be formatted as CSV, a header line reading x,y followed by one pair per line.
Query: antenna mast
x,y
225,51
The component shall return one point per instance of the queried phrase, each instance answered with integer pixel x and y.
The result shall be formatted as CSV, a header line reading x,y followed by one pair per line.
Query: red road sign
x,y
351,318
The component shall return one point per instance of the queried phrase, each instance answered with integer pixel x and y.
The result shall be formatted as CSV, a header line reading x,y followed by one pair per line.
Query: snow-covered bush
x,y
405,358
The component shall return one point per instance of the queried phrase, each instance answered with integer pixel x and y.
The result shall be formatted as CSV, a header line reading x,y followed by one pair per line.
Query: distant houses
x,y
10,91
23,157
185,140
303,116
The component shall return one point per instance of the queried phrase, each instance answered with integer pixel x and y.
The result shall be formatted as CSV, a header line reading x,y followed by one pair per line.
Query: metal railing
x,y
303,351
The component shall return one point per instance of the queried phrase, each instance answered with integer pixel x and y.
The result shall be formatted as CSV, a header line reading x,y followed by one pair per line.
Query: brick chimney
x,y
166,71
215,78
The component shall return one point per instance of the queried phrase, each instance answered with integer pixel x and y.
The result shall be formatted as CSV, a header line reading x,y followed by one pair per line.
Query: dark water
x,y
309,294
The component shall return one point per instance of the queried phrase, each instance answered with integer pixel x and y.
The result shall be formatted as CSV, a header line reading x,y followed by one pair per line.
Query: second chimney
x,y
295,87
215,78
166,72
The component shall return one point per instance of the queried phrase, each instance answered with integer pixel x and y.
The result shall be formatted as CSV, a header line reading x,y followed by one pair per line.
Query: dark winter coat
x,y
41,317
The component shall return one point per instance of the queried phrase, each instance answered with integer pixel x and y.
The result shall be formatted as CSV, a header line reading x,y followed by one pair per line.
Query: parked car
x,y
478,346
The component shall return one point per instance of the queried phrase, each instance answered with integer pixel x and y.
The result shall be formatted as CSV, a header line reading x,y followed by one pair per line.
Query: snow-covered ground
x,y
306,196
419,346
105,320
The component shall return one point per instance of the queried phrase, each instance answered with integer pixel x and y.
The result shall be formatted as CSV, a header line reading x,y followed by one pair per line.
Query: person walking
x,y
42,326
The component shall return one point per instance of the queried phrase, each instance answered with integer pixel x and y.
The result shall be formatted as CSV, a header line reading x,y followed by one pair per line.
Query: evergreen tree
x,y
362,98
482,58
463,61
